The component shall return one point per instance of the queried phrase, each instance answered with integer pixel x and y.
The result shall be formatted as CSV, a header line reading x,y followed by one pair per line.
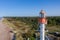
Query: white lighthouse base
x,y
42,31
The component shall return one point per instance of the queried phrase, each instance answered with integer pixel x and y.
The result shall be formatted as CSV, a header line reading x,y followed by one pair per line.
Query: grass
x,y
53,28
19,27
22,27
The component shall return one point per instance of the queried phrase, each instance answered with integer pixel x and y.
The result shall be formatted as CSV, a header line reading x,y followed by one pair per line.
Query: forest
x,y
53,24
51,20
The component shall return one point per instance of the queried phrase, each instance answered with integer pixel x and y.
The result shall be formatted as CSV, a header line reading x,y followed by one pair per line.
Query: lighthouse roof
x,y
42,12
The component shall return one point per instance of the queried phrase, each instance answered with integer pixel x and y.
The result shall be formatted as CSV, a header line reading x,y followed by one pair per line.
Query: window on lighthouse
x,y
42,15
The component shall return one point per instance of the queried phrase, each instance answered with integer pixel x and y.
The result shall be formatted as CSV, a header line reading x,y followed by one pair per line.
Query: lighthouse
x,y
42,22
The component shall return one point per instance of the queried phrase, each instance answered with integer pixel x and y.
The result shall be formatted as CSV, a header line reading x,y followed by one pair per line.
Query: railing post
x,y
14,36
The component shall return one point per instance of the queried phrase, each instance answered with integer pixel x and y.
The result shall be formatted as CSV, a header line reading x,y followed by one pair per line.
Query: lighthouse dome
x,y
42,12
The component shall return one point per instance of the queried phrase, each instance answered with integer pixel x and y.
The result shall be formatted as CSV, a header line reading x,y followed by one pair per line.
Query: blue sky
x,y
29,7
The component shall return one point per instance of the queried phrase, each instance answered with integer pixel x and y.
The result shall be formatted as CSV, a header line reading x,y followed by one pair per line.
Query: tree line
x,y
33,21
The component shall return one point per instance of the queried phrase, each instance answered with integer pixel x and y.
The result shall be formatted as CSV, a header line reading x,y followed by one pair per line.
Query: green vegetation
x,y
53,24
28,25
54,21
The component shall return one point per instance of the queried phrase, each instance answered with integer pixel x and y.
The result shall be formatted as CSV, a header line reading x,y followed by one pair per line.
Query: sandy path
x,y
4,32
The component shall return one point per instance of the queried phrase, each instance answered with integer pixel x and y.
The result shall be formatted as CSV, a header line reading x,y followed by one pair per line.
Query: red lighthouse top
x,y
42,17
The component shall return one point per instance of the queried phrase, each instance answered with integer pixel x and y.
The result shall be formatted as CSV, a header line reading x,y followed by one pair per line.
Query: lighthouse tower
x,y
42,22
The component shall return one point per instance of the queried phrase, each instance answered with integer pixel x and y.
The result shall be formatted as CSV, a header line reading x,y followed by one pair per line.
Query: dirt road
x,y
4,32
